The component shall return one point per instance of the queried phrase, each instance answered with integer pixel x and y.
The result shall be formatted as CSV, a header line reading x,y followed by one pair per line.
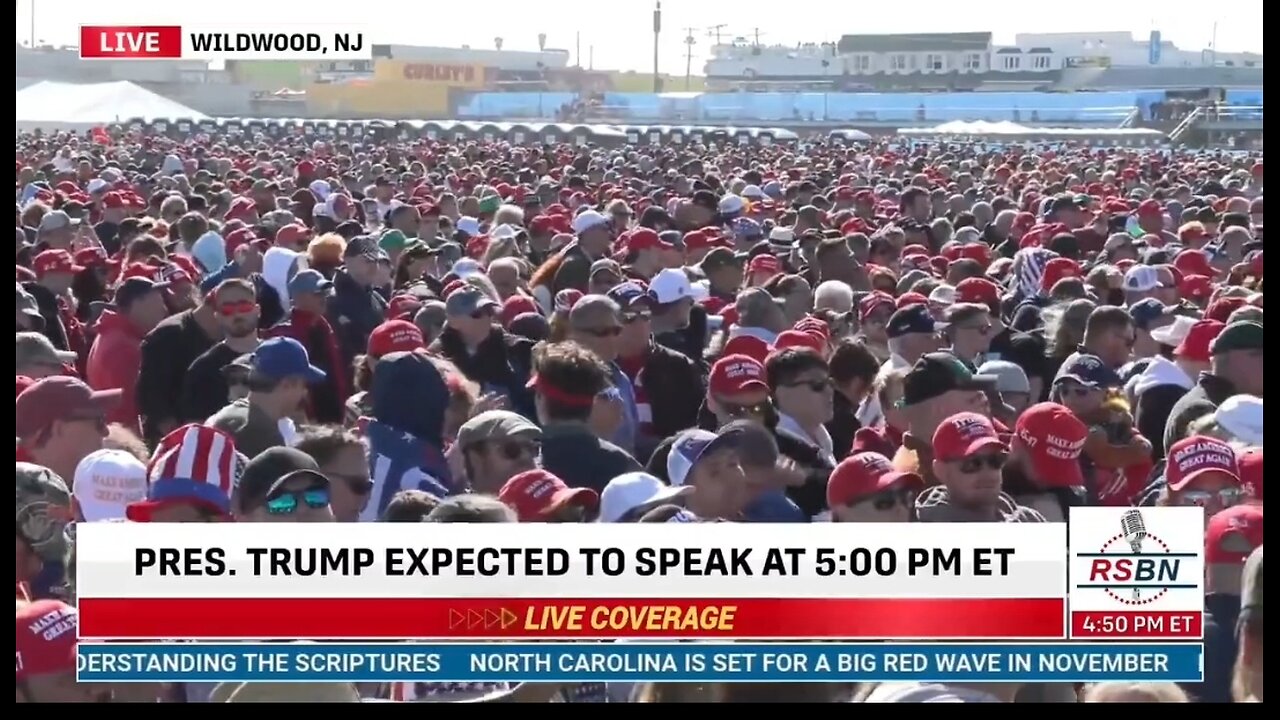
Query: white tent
x,y
70,106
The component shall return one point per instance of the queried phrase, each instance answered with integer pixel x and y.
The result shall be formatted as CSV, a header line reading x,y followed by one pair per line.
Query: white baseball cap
x,y
670,285
753,191
633,490
1141,278
588,219
504,231
106,481
97,185
1175,332
1241,415
468,225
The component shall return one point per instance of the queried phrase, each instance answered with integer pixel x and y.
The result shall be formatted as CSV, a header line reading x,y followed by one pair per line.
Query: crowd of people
x,y
215,328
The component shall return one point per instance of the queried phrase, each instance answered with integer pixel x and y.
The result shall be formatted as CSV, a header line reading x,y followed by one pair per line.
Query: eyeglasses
x,y
757,410
287,502
629,318
1078,390
358,484
241,307
815,385
613,331
1226,497
891,498
974,464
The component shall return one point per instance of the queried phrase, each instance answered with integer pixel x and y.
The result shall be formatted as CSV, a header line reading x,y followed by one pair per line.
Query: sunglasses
x,y
288,502
757,410
814,385
889,499
242,307
972,465
613,331
1226,497
1079,390
629,318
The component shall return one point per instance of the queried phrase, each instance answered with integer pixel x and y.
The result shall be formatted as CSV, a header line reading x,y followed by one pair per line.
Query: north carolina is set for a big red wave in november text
x,y
172,42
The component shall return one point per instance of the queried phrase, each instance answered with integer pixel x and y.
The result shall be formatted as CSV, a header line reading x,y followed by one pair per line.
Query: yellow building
x,y
397,89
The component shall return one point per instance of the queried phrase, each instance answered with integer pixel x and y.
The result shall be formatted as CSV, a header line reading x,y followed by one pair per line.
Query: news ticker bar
x,y
622,662
526,618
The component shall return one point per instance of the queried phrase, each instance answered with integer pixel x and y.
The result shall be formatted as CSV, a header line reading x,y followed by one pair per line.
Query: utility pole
x,y
657,30
33,25
688,57
757,34
716,30
577,48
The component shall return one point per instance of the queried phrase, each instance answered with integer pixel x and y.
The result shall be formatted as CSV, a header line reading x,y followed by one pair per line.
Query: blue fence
x,y
1099,107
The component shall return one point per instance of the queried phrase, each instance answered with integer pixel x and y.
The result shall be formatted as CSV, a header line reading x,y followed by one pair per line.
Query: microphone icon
x,y
1135,531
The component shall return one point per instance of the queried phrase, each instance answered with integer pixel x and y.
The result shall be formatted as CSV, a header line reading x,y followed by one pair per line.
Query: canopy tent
x,y
1011,130
70,106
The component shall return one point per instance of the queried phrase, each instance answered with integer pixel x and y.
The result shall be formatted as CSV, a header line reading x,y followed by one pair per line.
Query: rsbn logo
x,y
1134,566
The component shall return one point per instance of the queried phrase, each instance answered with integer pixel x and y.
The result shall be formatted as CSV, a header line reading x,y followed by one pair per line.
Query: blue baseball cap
x,y
309,281
284,357
747,229
910,320
1147,311
628,294
1088,370
690,447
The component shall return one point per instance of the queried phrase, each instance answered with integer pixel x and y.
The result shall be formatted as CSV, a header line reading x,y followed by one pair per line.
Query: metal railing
x,y
1185,126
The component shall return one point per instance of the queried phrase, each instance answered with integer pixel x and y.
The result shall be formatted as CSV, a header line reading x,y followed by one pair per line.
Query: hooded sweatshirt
x,y
113,364
279,265
934,505
406,441
210,252
1157,389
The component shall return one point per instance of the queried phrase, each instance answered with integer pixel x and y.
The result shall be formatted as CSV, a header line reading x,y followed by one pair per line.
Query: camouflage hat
x,y
44,510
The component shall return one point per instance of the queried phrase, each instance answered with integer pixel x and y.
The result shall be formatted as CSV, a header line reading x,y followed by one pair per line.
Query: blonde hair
x,y
1135,692
326,249
1064,326
485,285
120,437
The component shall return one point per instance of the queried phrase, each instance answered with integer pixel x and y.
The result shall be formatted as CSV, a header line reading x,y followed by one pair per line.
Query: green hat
x,y
44,509
393,241
1238,336
490,204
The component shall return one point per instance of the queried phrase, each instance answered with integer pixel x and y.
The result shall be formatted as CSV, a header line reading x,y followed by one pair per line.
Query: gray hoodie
x,y
934,505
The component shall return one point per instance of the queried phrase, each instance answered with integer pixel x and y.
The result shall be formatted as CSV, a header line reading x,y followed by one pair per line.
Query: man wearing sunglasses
x,y
204,389
865,488
497,445
595,322
970,329
968,456
283,484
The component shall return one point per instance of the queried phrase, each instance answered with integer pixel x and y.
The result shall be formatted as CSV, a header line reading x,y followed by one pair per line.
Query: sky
x,y
618,35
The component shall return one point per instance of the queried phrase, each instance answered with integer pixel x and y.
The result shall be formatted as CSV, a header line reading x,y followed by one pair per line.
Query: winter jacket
x,y
113,364
354,311
317,336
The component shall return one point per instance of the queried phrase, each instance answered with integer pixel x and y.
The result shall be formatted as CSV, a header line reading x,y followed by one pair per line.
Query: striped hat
x,y
194,464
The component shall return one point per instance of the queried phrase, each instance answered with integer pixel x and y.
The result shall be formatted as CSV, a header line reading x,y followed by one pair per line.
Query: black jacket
x,y
1155,406
811,496
574,271
1203,399
354,312
842,426
675,387
167,351
47,304
204,389
691,341
502,364
572,453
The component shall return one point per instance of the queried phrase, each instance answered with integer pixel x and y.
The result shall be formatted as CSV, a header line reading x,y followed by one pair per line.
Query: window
x,y
934,62
898,62
1012,62
1041,62
862,63
973,61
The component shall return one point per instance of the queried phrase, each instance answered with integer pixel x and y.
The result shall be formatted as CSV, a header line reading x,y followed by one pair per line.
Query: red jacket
x,y
113,363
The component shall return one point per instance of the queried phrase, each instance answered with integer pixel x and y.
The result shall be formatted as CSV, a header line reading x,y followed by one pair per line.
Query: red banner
x,y
526,618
